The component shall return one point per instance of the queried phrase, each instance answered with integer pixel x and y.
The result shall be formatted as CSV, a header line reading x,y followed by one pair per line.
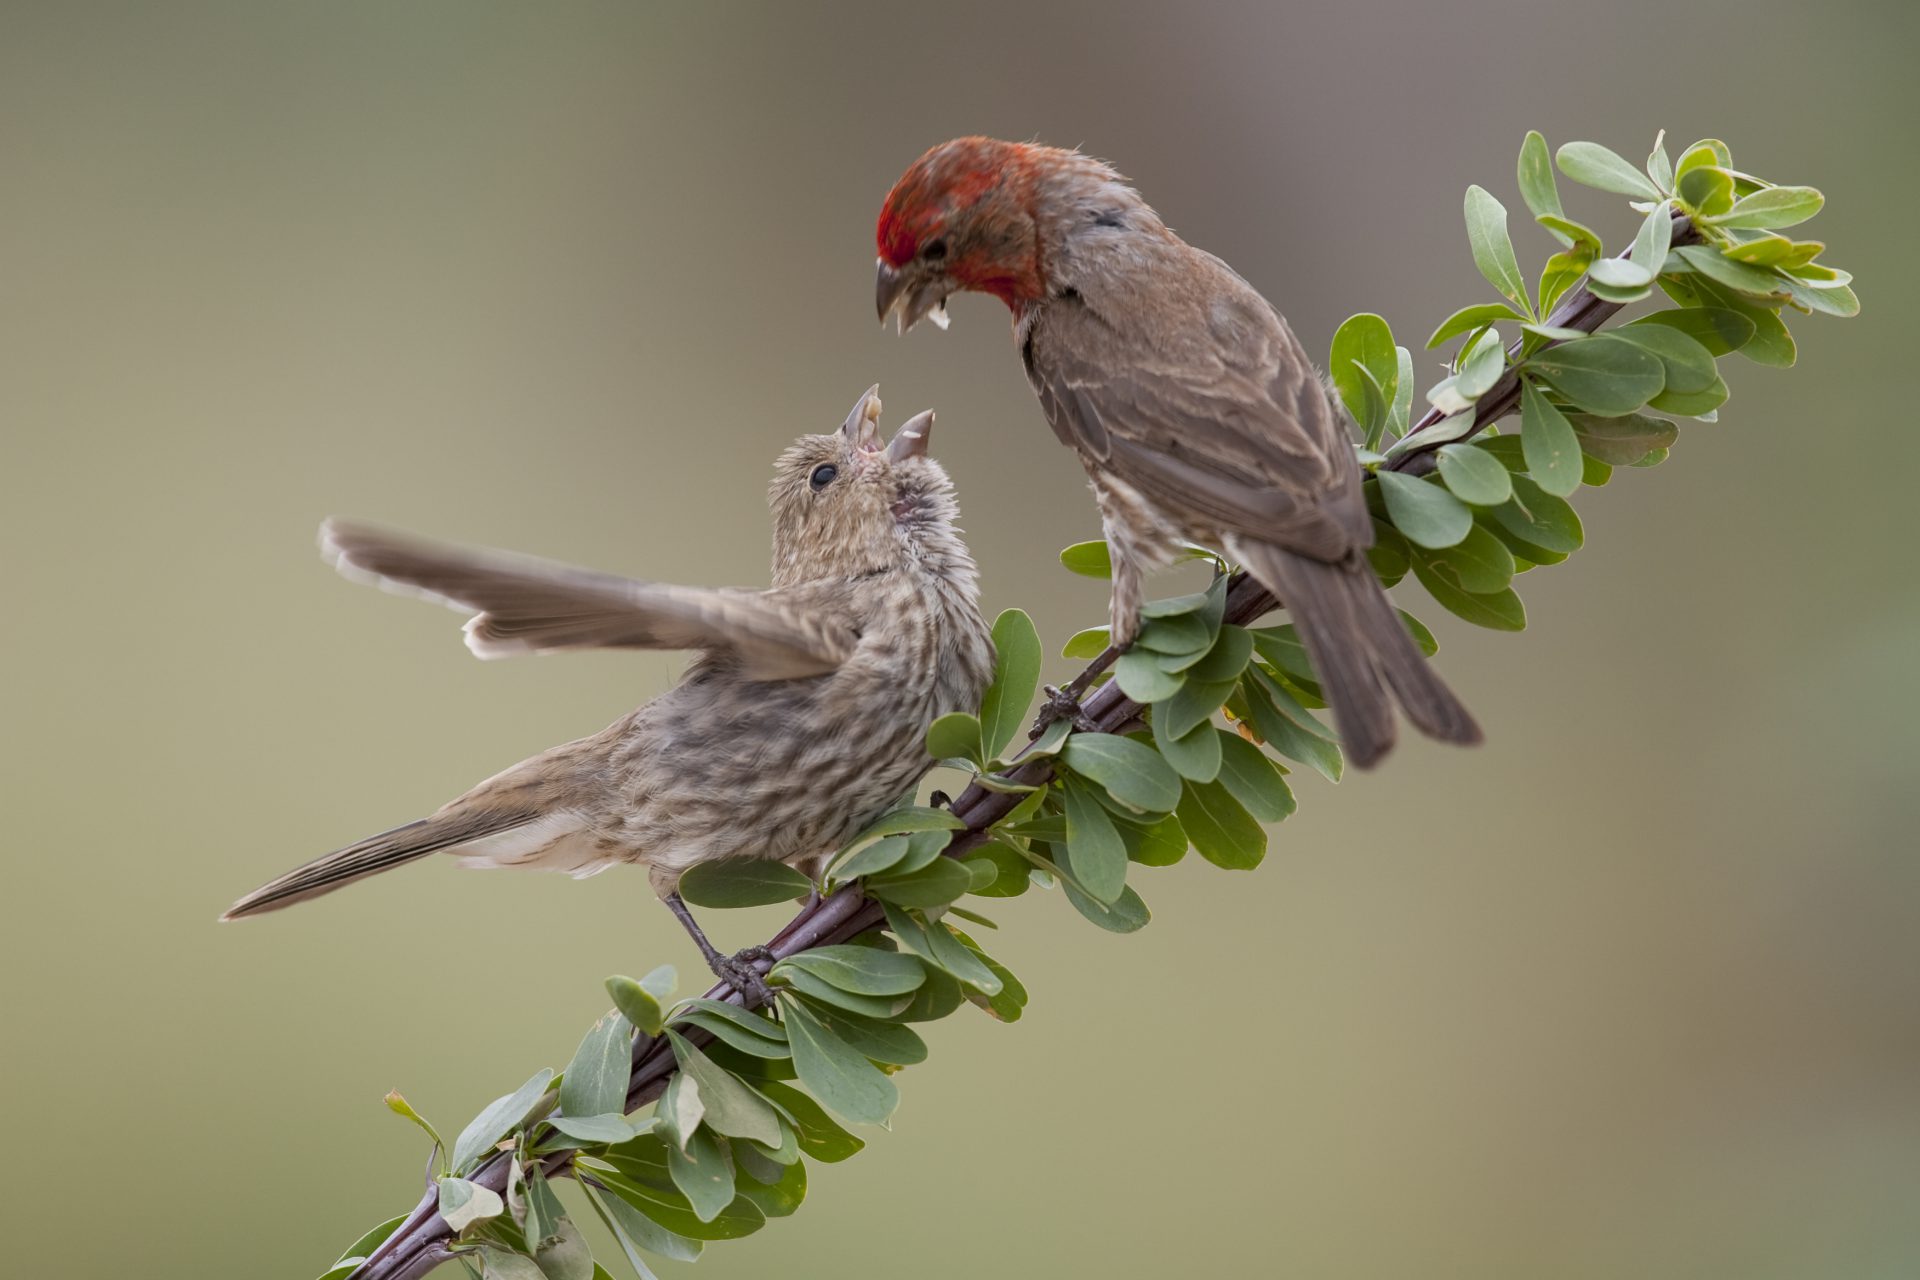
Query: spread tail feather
x,y
1362,652
372,855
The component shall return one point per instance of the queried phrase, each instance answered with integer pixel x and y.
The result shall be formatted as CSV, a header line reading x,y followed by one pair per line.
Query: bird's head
x,y
850,503
961,219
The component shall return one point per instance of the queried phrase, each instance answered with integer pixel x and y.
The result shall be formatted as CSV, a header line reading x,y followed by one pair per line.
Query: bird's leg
x,y
736,970
1063,703
1123,617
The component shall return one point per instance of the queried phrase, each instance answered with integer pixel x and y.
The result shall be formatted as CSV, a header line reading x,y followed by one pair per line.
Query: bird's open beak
x,y
862,427
909,296
910,441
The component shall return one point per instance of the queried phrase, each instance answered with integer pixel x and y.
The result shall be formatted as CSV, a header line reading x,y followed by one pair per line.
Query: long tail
x,y
1362,652
373,855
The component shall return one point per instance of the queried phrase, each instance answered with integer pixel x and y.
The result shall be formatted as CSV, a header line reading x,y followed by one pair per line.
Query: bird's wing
x,y
1220,418
527,605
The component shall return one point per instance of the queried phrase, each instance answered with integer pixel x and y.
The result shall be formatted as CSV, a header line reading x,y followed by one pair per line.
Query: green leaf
x,y
1401,407
1655,238
907,819
1707,151
1468,319
1833,300
1706,190
748,1032
1088,644
742,882
1492,249
1480,565
1539,518
1578,236
596,1080
934,885
630,1228
780,1198
1537,187
819,1136
1687,404
401,1107
959,960
638,1174
1365,341
1088,559
704,1172
498,1119
1428,515
862,970
873,1038
1549,445
1132,773
1009,867
1252,779
1282,648
1474,475
1741,277
1220,827
730,1106
1659,168
1499,612
1562,272
1009,1000
1196,753
366,1244
834,1071
1388,554
1621,442
1602,374
1126,915
1719,330
1193,705
1095,852
1592,165
955,735
464,1203
1288,728
597,1130
882,855
1016,674
1142,678
1689,366
1773,207
1160,845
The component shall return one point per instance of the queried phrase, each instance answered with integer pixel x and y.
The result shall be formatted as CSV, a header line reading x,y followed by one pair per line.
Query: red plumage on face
x,y
963,184
948,180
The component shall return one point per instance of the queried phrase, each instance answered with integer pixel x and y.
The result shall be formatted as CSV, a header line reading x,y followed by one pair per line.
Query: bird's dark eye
x,y
935,250
823,475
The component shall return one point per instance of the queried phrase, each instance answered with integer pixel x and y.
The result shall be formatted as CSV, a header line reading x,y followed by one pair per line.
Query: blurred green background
x,y
1631,991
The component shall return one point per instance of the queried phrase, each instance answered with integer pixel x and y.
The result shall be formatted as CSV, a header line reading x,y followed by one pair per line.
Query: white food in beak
x,y
939,314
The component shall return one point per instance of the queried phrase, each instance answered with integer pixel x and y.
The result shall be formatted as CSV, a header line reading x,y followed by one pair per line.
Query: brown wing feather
x,y
1218,416
528,605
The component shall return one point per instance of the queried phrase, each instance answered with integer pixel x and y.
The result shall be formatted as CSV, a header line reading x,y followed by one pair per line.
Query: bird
x,y
1196,412
802,719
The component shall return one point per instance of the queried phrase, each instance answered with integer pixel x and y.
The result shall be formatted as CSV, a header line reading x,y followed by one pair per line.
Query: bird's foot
x,y
1063,704
738,972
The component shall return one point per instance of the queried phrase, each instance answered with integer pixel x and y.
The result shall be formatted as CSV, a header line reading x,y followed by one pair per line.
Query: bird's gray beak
x,y
909,296
910,441
862,427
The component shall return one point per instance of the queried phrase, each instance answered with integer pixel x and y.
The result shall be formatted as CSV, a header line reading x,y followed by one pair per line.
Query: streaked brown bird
x,y
1195,410
803,718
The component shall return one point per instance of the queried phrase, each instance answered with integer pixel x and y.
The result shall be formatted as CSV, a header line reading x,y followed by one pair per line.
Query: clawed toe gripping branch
x,y
1176,749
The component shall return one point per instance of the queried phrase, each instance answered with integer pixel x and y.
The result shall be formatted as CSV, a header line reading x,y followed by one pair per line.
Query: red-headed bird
x,y
1193,407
